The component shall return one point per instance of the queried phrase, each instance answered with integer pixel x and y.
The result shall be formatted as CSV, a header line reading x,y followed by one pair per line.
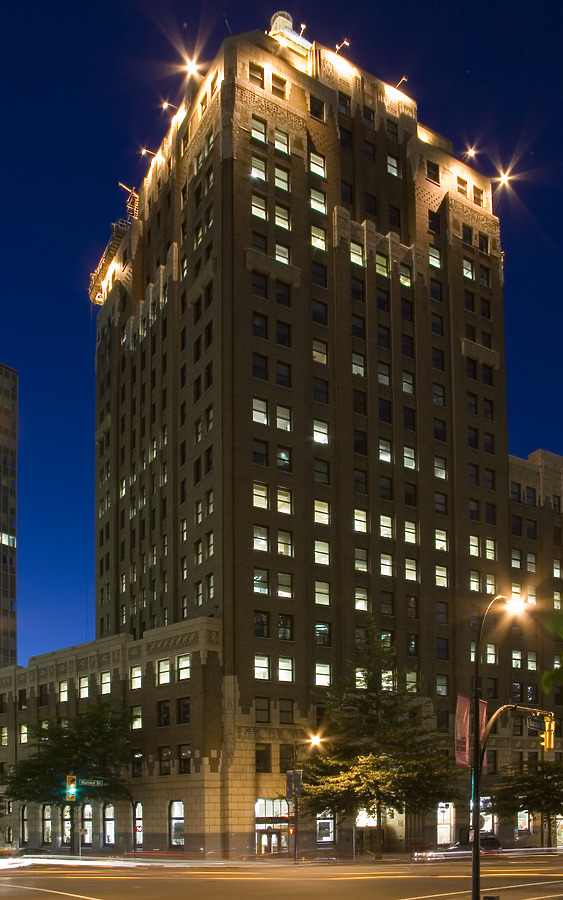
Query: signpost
x,y
91,782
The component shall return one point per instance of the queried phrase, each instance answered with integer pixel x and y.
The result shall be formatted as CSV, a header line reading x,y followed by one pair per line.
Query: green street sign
x,y
536,723
91,782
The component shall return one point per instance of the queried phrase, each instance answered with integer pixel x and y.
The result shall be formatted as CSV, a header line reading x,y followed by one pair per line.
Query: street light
x,y
295,782
513,606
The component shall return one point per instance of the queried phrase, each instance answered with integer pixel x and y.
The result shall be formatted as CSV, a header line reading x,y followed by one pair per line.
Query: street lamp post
x,y
513,606
296,783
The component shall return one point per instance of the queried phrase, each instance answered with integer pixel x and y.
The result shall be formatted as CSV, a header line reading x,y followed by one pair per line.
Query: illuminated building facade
x,y
300,422
8,505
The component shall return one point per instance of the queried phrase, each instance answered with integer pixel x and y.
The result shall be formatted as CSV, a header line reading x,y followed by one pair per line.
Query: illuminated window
x,y
393,165
440,539
468,268
441,576
360,520
317,164
135,677
322,674
386,564
356,253
360,559
258,206
411,570
322,512
105,682
411,533
261,667
63,691
285,668
259,127
260,495
322,593
382,264
261,539
320,432
318,201
440,470
281,138
361,598
282,217
435,257
474,545
163,671
322,553
474,581
318,237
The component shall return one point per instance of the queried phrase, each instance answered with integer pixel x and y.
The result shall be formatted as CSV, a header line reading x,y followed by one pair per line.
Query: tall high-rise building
x,y
8,505
301,421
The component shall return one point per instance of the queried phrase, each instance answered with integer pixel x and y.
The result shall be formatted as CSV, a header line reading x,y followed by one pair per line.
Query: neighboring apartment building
x,y
300,422
8,506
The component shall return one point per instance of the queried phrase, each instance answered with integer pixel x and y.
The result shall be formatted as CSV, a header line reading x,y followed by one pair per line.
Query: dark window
x,y
359,402
394,217
345,139
410,494
283,374
531,530
438,359
283,294
474,514
530,496
472,404
319,274
407,310
346,192
385,488
370,205
136,763
440,503
441,612
439,429
183,711
442,648
486,309
467,234
473,474
259,242
283,334
320,312
490,480
437,324
259,325
320,390
436,289
487,375
488,443
163,713
383,299
260,453
384,411
360,481
285,708
259,366
259,284
516,525
321,471
358,327
407,343
286,756
472,438
490,514
433,222
409,418
433,171
261,624
360,442
471,368
383,336
357,289
263,758
515,492
369,152
317,108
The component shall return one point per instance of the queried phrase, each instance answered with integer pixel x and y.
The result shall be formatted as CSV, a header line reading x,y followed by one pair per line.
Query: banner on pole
x,y
462,715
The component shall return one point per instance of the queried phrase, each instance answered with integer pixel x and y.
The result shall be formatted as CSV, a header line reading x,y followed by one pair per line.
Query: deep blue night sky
x,y
83,86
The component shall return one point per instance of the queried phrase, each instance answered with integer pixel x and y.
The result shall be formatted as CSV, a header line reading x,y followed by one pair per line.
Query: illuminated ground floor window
x,y
87,816
273,819
138,825
325,828
47,825
177,823
109,824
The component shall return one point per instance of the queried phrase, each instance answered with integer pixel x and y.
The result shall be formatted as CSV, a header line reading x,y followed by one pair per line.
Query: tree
x,y
537,787
380,751
93,745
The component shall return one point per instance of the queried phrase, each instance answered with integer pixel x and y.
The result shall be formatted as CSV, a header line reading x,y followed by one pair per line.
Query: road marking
x,y
23,887
504,887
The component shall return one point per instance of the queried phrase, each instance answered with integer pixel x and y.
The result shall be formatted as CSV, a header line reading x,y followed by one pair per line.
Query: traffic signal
x,y
546,739
70,793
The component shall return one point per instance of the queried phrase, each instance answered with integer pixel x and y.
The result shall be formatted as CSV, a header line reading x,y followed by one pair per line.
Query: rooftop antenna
x,y
301,30
227,23
404,78
345,43
132,201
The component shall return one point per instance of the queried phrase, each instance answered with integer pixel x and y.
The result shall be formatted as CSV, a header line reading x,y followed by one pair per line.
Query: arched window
x,y
138,825
65,823
24,833
87,815
47,826
109,824
177,823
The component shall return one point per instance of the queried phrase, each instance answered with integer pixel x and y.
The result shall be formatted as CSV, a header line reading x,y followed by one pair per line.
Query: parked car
x,y
488,843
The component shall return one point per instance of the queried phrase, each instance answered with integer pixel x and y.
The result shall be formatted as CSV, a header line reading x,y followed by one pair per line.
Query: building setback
x,y
8,505
301,423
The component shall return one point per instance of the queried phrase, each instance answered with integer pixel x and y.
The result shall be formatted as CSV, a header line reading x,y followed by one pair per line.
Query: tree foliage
x,y
92,745
381,750
536,787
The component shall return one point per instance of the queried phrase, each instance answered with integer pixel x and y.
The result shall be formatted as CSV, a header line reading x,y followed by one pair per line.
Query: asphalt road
x,y
509,879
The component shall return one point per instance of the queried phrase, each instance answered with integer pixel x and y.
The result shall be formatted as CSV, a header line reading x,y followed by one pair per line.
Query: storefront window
x,y
47,825
109,824
177,823
87,816
138,825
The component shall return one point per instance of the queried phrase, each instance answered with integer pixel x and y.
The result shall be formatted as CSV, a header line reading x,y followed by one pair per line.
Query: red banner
x,y
482,724
462,715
